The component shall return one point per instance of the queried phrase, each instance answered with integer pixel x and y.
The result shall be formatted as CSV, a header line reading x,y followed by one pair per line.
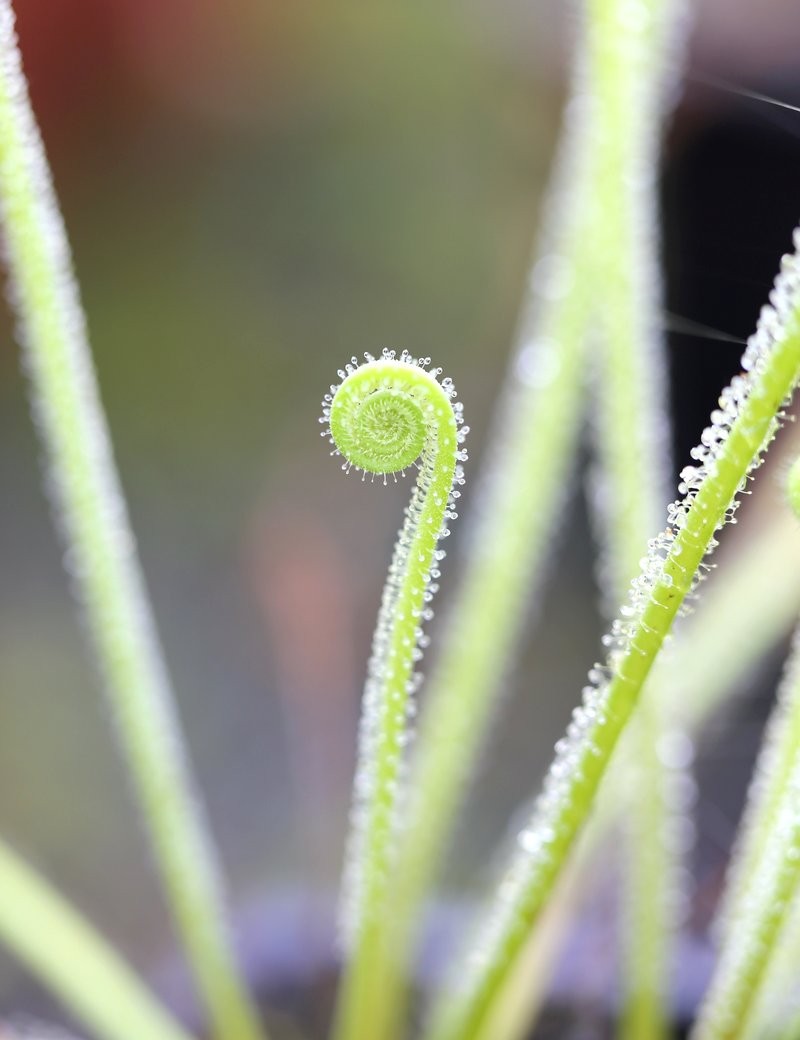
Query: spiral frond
x,y
385,415
384,412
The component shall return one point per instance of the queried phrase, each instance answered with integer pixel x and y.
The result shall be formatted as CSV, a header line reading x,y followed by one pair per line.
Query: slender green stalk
x,y
780,750
761,915
748,605
650,870
776,1009
741,430
76,963
759,919
384,416
106,575
776,1012
630,417
632,437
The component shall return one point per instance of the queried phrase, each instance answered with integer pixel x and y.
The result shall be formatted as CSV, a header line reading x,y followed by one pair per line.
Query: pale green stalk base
x,y
72,960
102,555
752,404
528,982
649,884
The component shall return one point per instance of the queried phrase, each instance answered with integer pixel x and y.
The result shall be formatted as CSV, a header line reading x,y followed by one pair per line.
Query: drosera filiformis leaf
x,y
747,607
731,447
90,509
387,415
636,68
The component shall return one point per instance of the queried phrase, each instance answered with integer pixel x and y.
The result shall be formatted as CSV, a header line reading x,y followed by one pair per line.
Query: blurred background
x,y
254,192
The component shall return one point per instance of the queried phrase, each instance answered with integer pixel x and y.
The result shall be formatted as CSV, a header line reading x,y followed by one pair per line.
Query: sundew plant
x,y
588,359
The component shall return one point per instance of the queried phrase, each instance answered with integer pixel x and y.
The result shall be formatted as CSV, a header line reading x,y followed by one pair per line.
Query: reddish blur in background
x,y
255,191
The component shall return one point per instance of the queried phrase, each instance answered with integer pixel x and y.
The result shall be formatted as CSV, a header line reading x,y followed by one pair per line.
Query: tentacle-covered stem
x,y
385,416
731,448
90,508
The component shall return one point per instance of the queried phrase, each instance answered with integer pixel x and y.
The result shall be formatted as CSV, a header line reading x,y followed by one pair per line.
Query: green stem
x,y
749,603
732,446
383,416
760,917
630,416
776,1009
755,972
780,750
76,963
632,439
649,886
105,571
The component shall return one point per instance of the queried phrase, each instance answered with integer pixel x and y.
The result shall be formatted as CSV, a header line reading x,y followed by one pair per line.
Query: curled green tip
x,y
381,416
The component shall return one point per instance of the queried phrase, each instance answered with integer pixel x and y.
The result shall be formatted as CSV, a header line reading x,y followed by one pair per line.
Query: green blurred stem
x,y
101,549
64,951
649,873
632,438
776,1010
579,767
759,905
759,918
780,750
